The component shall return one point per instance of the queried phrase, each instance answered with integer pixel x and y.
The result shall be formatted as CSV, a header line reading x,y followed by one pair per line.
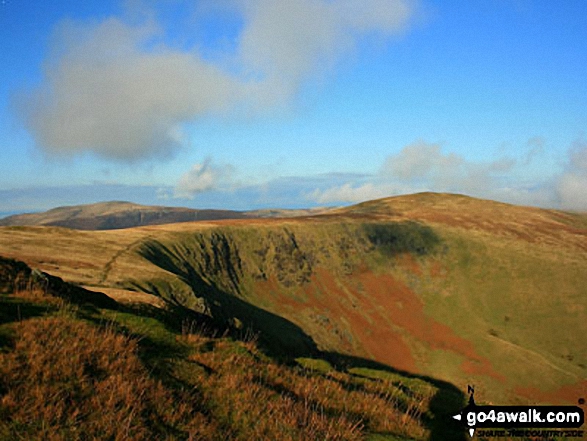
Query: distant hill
x,y
116,214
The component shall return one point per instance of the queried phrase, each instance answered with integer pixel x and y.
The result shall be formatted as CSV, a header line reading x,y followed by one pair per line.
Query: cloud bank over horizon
x,y
418,167
422,166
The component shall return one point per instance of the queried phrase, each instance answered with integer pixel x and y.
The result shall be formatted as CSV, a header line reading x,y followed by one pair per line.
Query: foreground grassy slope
x,y
451,287
87,372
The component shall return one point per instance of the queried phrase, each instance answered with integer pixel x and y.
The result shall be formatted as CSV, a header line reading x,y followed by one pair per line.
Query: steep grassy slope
x,y
455,288
87,372
474,310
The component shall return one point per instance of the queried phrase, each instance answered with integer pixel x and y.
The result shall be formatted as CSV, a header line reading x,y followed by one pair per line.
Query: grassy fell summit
x,y
429,286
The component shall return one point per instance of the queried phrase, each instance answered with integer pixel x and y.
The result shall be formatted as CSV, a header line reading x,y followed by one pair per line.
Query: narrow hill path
x,y
115,256
535,355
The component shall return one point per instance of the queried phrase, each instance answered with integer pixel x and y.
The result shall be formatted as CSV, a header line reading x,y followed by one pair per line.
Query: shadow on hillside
x,y
15,309
17,276
447,401
281,338
277,336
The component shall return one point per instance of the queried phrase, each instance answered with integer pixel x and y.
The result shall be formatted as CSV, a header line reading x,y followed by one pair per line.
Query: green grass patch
x,y
315,364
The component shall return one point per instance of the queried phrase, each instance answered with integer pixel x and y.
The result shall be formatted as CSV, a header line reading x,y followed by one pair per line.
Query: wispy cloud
x,y
285,42
535,149
116,89
32,199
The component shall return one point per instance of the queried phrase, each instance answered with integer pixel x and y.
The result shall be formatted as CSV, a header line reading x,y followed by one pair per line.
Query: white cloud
x,y
201,178
114,88
578,157
535,149
105,94
425,165
572,191
215,186
162,194
571,186
347,194
420,161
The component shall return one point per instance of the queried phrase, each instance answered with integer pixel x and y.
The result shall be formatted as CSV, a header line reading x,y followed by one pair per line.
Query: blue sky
x,y
264,103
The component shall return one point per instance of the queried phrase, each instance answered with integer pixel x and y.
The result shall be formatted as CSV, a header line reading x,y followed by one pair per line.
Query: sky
x,y
246,104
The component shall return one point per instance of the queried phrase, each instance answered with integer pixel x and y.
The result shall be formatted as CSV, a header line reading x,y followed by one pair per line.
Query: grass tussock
x,y
39,295
63,377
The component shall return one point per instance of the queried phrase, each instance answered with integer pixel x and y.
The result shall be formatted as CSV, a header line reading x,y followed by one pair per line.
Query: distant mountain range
x,y
117,214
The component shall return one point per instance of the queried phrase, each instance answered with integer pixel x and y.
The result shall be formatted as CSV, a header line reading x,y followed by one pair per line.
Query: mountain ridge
x,y
122,214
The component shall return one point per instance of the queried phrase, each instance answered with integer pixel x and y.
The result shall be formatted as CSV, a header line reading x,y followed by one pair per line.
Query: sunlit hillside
x,y
457,289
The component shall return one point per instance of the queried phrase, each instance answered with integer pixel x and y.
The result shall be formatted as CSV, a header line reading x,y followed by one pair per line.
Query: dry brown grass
x,y
127,297
66,379
260,399
39,295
